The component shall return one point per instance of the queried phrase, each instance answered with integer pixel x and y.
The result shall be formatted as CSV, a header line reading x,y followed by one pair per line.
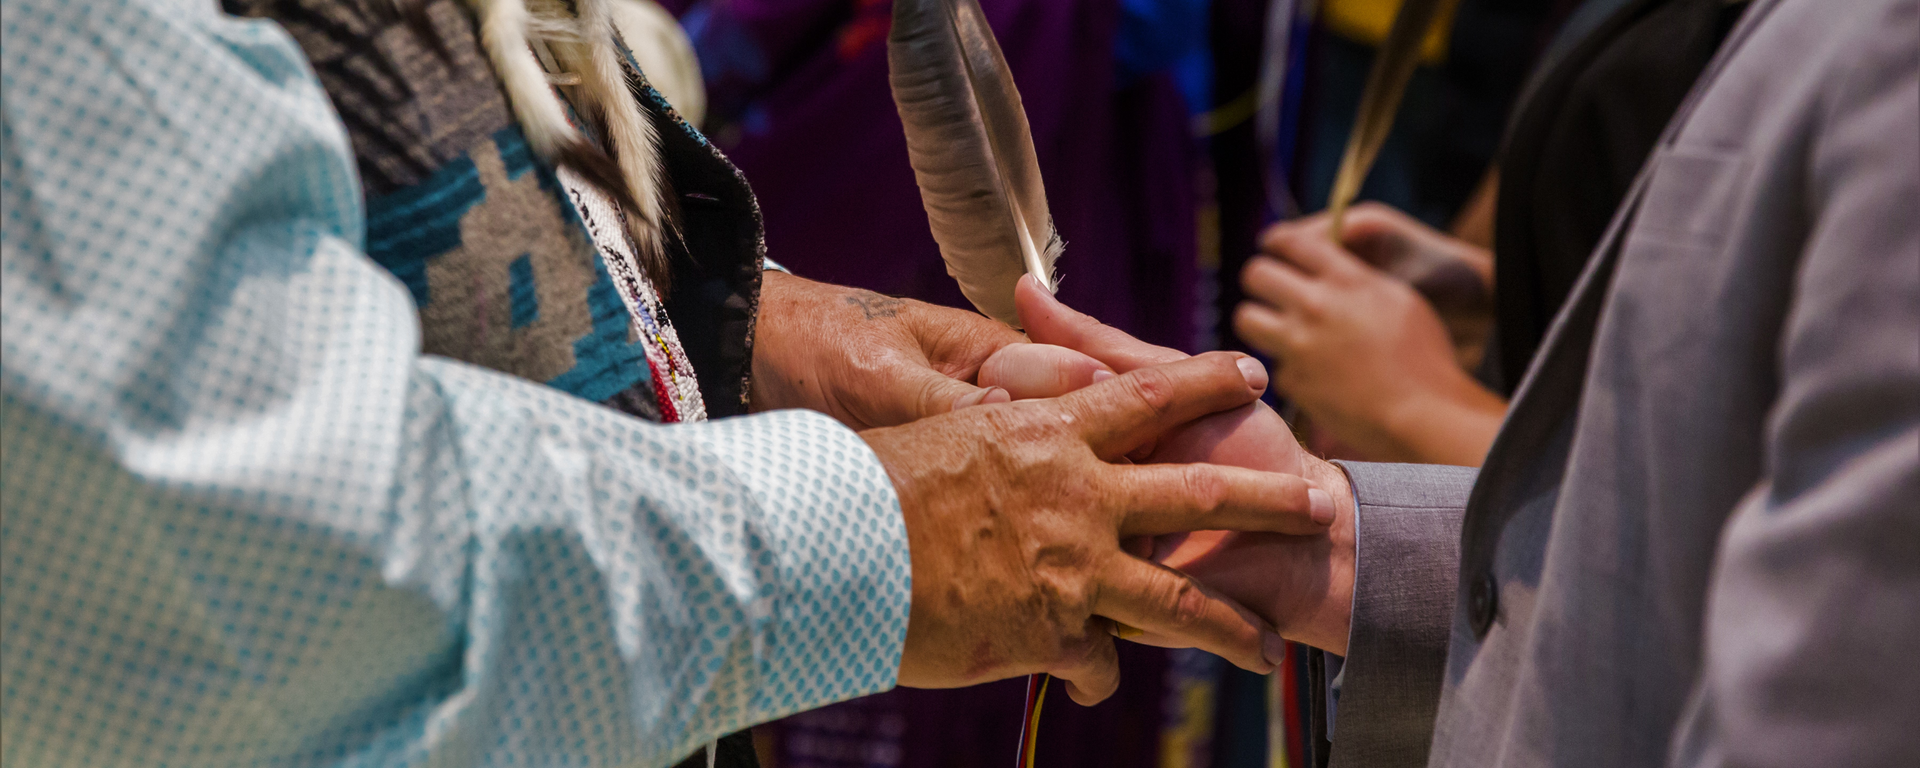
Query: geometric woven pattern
x,y
457,205
505,277
248,524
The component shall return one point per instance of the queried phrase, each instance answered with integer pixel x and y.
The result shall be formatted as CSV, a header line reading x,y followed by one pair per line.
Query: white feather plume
x,y
636,145
505,29
583,47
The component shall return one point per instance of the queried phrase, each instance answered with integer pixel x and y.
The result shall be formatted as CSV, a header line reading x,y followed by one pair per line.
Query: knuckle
x,y
1154,389
1284,235
1186,606
1257,273
930,397
1298,492
1106,335
1271,236
1250,278
1225,366
1290,379
1399,292
1017,422
870,363
1205,489
1076,603
1060,578
1254,336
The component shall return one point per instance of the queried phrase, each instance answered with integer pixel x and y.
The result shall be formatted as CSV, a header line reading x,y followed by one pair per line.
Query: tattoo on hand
x,y
876,306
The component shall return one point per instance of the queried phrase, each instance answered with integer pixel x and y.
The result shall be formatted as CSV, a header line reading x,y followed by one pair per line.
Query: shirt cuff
x,y
833,528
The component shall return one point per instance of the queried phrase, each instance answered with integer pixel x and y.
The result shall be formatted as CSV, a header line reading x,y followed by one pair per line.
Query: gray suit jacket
x,y
1696,541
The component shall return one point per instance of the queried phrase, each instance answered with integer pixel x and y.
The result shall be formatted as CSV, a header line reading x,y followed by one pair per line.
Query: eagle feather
x,y
972,151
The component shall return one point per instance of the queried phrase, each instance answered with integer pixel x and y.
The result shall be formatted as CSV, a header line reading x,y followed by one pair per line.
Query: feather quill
x,y
1380,100
972,151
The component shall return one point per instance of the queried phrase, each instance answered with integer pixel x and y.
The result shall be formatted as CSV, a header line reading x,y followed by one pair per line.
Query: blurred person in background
x,y
1381,360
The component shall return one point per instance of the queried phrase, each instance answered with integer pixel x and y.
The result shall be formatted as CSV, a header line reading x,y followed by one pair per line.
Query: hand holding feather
x,y
866,359
1075,349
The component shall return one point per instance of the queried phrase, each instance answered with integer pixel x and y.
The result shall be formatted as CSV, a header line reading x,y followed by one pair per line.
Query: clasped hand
x,y
1299,583
1016,512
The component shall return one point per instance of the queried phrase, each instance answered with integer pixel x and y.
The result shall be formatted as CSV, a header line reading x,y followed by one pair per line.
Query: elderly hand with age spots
x,y
1301,584
1015,513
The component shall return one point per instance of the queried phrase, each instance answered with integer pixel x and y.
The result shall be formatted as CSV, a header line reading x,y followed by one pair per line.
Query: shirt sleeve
x,y
247,523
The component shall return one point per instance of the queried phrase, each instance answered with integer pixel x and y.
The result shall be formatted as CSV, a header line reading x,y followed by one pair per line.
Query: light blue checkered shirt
x,y
247,524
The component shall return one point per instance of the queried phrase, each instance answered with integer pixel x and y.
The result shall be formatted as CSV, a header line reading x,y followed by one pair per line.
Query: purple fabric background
x,y
800,102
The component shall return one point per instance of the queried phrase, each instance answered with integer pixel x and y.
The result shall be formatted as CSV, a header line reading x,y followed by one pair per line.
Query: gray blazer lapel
x,y
1524,457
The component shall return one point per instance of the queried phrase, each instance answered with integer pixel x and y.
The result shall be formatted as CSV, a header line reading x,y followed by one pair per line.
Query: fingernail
x,y
969,399
1274,648
1320,506
1102,375
996,395
1255,372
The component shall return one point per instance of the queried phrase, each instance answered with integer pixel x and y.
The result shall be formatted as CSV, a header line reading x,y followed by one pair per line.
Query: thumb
x,y
1029,371
1048,321
916,391
935,393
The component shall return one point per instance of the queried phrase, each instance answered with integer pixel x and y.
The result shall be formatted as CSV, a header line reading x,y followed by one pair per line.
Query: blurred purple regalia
x,y
799,101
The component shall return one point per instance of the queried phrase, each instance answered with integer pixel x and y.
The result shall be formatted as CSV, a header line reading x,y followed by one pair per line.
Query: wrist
x,y
885,443
1452,422
767,388
1329,623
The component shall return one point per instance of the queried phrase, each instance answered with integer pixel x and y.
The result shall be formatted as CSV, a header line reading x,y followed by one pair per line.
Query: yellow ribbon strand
x,y
1392,67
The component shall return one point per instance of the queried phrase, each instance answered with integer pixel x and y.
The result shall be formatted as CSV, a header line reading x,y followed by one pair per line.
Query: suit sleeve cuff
x,y
1407,544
